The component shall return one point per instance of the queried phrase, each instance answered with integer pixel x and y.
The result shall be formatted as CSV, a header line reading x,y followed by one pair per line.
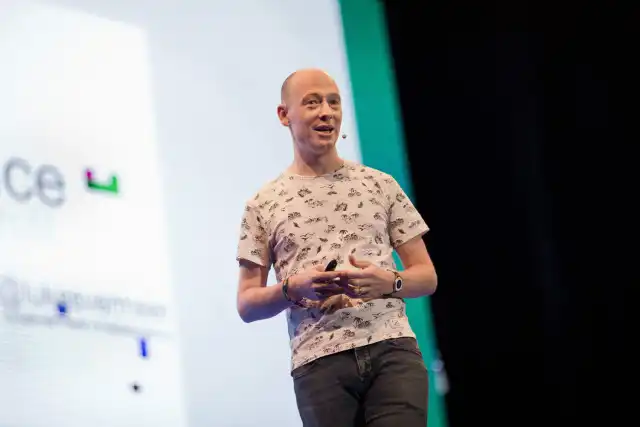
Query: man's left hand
x,y
368,281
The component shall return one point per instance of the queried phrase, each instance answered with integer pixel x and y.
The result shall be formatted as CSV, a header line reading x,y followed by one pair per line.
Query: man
x,y
355,360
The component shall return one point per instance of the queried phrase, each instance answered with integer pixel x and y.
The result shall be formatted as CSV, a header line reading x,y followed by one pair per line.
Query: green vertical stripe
x,y
382,143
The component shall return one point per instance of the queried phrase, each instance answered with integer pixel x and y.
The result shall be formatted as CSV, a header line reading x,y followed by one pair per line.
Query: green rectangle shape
x,y
111,187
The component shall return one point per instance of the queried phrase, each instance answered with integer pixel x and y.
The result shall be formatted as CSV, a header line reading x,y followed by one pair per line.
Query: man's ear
x,y
282,115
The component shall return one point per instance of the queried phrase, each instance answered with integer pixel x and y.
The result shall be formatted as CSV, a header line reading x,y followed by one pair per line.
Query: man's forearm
x,y
262,303
417,281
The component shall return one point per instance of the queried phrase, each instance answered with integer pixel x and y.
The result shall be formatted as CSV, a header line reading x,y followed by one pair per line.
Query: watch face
x,y
398,284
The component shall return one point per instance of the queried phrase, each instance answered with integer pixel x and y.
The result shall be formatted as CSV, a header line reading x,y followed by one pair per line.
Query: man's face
x,y
313,112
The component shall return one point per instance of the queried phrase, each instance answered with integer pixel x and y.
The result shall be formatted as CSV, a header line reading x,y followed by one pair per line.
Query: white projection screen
x,y
131,134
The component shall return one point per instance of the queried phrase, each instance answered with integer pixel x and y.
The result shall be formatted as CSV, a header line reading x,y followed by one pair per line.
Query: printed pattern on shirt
x,y
294,223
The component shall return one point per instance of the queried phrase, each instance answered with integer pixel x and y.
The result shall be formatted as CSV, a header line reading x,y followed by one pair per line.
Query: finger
x,y
354,292
321,278
323,296
327,288
363,291
357,274
358,264
357,282
327,295
342,280
326,276
351,291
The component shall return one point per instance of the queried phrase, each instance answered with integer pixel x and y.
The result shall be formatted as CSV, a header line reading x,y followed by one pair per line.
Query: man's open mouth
x,y
326,129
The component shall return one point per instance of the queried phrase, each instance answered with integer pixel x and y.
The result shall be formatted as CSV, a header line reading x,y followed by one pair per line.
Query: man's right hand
x,y
316,284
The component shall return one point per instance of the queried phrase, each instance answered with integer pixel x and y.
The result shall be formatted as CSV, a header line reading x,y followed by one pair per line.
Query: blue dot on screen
x,y
62,308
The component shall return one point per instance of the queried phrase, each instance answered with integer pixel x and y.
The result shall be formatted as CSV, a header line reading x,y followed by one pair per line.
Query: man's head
x,y
312,109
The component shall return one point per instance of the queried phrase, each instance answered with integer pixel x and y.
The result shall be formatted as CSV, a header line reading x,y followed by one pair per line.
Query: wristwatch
x,y
397,284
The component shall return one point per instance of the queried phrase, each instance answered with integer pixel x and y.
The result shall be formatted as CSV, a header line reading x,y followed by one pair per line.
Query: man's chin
x,y
324,145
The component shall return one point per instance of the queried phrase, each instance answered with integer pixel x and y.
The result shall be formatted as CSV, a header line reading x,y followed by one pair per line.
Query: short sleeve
x,y
253,244
405,222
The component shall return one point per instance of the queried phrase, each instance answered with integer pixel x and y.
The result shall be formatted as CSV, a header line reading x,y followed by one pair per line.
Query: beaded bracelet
x,y
285,292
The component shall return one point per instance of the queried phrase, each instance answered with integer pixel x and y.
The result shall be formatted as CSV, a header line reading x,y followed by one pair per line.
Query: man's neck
x,y
316,165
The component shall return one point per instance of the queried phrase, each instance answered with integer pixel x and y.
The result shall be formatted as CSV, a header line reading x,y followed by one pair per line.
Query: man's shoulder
x,y
362,171
268,191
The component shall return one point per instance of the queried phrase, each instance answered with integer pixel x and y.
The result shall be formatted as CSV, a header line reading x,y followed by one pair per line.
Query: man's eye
x,y
312,102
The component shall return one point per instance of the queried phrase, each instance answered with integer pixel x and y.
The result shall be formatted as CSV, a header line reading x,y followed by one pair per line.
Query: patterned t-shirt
x,y
298,222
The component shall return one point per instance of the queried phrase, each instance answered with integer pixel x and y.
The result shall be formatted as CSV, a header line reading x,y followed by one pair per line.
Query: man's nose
x,y
326,112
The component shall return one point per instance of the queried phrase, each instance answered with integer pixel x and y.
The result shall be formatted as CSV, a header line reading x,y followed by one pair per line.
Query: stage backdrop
x,y
131,134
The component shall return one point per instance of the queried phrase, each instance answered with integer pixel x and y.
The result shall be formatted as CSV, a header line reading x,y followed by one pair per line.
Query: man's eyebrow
x,y
317,95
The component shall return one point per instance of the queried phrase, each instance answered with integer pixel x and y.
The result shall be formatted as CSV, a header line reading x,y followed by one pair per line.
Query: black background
x,y
515,144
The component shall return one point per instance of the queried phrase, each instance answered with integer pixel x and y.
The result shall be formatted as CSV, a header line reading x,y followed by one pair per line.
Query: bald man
x,y
329,228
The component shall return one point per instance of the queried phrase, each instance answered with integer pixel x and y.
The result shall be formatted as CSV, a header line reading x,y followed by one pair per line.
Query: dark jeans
x,y
380,385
